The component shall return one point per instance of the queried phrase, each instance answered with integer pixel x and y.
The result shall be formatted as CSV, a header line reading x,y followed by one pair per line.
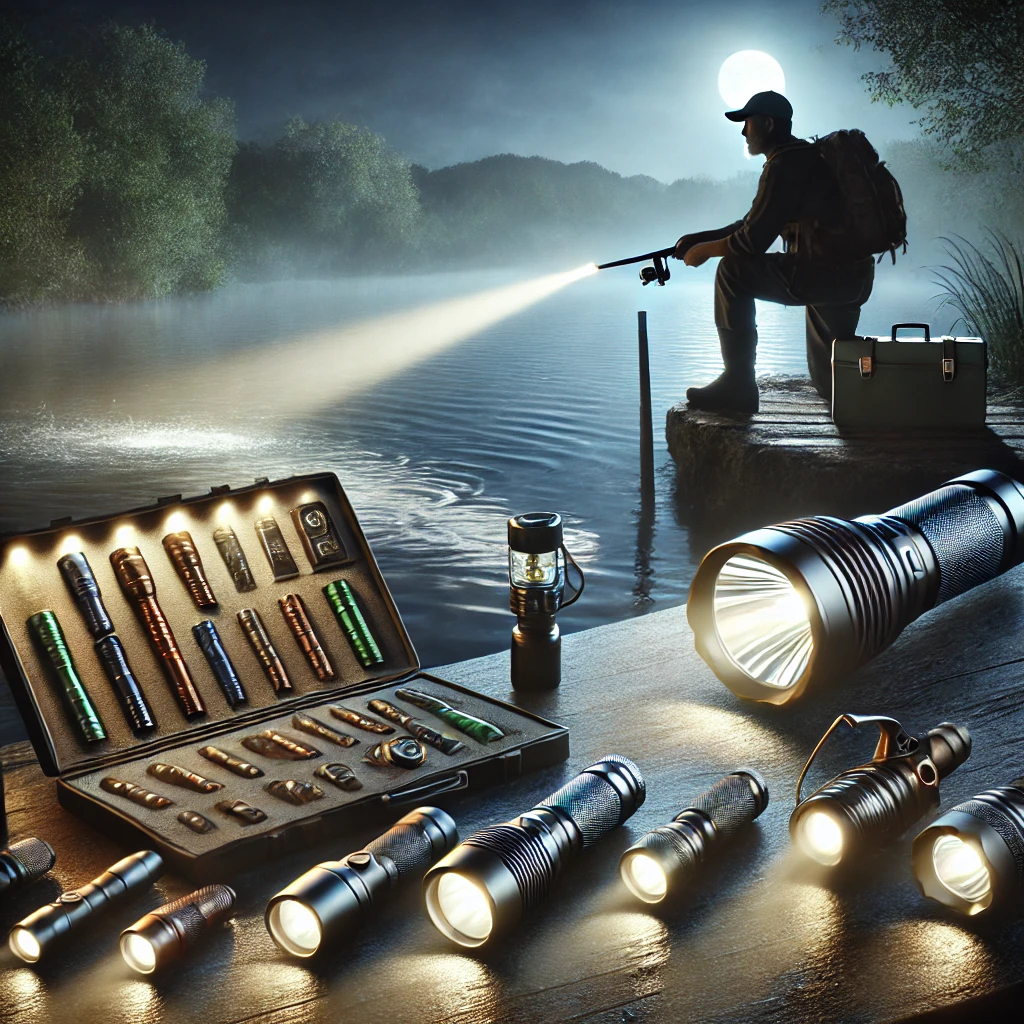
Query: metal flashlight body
x,y
664,860
332,899
971,857
536,575
784,606
23,862
30,938
168,932
500,875
874,803
136,581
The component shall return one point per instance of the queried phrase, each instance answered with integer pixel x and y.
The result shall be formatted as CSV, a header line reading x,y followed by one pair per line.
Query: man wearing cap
x,y
797,198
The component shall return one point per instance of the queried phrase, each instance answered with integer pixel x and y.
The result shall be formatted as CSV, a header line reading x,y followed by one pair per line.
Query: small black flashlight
x,y
170,931
971,857
781,607
875,803
330,900
536,572
666,858
30,938
23,862
499,875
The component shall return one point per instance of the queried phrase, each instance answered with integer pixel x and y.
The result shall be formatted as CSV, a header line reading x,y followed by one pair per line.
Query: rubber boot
x,y
735,390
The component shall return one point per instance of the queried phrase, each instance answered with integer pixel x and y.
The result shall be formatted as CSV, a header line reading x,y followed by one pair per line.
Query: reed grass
x,y
986,287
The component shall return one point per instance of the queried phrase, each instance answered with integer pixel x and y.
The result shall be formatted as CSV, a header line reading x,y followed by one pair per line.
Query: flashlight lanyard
x,y
894,742
583,582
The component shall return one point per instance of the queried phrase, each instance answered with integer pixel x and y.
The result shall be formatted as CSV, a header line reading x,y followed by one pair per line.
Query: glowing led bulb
x,y
464,906
960,868
296,927
822,838
646,878
18,556
175,521
138,953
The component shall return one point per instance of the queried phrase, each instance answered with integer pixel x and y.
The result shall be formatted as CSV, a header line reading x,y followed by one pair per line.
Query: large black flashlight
x,y
330,900
783,606
536,573
971,857
667,857
877,802
499,875
170,931
23,862
30,938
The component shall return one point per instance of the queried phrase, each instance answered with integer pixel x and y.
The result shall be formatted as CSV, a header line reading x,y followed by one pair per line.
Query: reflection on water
x,y
111,407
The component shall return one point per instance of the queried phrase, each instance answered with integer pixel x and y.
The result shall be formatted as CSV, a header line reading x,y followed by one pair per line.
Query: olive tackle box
x,y
880,382
30,581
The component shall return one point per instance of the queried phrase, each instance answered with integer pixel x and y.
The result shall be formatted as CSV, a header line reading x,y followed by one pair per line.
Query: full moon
x,y
747,72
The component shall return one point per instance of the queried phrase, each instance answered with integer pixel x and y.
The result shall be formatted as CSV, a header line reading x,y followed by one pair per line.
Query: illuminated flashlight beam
x,y
313,370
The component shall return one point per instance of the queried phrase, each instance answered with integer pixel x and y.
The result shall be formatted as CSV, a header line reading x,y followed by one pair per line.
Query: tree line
x,y
120,179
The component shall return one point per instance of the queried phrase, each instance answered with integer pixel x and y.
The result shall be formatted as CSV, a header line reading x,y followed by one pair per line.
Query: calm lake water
x,y
107,408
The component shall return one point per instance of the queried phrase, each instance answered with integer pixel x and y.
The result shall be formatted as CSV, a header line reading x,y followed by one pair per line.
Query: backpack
x,y
874,219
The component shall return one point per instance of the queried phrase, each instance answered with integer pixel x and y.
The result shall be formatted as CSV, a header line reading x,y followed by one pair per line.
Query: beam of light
x,y
70,544
17,557
301,375
124,535
747,72
225,513
265,505
175,521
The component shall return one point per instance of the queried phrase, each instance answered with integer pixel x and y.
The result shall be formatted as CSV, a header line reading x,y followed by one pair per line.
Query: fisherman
x,y
798,198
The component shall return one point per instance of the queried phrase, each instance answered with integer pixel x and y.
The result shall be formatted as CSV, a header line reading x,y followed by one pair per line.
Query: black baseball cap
x,y
771,104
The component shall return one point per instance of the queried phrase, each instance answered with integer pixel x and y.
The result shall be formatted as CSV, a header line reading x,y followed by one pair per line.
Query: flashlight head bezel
x,y
659,857
487,871
836,813
1003,894
818,589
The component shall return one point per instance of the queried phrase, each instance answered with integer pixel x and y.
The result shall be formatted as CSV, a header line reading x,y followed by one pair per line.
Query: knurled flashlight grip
x,y
601,797
974,525
414,842
732,802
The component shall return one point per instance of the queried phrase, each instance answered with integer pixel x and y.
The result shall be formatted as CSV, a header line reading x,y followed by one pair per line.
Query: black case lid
x,y
30,581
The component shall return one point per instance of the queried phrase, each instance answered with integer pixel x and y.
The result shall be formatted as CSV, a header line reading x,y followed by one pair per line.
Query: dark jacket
x,y
798,199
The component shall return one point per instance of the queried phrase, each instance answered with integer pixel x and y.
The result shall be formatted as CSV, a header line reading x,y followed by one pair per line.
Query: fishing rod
x,y
648,275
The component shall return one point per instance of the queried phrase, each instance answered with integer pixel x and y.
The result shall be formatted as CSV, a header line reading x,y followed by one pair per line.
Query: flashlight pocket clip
x,y
894,744
413,794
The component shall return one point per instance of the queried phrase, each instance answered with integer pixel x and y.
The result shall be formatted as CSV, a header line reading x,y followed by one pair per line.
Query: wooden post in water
x,y
646,425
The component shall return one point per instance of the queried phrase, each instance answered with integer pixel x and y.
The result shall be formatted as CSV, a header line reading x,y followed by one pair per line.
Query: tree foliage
x,y
961,63
320,198
40,169
157,158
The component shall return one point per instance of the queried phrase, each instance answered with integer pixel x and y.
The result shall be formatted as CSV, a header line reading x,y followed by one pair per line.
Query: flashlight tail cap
x,y
534,533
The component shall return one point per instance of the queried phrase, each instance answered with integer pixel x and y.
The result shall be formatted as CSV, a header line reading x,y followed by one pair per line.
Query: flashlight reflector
x,y
294,927
461,909
961,869
821,838
970,857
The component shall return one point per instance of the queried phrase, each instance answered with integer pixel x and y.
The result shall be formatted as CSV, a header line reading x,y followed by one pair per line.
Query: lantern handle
x,y
577,590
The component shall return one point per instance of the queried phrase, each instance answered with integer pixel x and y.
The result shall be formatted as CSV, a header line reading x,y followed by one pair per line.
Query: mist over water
x,y
536,411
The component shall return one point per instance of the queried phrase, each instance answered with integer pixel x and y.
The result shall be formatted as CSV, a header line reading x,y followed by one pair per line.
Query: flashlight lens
x,y
25,945
821,838
645,878
295,928
533,570
460,908
761,621
960,868
138,952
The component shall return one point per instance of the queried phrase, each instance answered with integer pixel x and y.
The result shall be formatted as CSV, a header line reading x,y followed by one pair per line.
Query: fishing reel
x,y
659,272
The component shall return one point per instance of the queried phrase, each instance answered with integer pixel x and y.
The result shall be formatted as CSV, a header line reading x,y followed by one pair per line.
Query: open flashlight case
x,y
30,581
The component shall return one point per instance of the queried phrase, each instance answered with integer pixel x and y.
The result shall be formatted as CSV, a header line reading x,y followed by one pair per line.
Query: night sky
x,y
632,86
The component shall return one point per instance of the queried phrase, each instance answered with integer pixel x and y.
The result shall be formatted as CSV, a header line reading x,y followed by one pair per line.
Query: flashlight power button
x,y
69,897
359,860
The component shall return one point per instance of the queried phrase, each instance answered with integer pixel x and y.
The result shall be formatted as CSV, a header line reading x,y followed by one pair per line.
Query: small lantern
x,y
537,575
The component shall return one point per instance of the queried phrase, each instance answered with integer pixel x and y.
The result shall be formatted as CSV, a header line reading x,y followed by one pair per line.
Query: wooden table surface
x,y
758,938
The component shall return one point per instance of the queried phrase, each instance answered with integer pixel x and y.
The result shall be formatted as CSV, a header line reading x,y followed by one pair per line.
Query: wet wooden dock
x,y
790,459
